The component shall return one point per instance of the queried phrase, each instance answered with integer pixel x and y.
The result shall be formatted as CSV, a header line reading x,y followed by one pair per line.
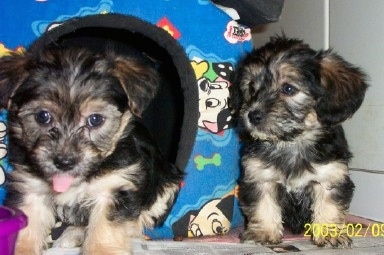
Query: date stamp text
x,y
350,230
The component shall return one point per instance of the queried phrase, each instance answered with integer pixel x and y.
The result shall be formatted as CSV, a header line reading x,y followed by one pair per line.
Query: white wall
x,y
356,31
354,28
304,19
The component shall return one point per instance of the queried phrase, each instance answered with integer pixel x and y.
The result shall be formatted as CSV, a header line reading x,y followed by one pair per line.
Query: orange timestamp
x,y
337,230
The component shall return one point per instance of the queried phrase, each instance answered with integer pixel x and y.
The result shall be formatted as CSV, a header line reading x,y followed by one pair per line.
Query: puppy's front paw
x,y
261,236
332,235
71,237
28,243
340,240
98,249
23,250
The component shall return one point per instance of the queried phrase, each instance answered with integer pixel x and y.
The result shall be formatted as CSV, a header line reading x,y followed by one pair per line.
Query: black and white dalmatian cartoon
x,y
214,98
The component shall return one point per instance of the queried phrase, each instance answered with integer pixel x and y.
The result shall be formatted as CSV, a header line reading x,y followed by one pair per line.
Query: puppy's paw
x,y
102,250
330,235
342,240
261,236
23,250
28,243
71,237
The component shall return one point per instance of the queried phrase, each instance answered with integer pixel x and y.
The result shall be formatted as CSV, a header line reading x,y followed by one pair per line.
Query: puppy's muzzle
x,y
255,117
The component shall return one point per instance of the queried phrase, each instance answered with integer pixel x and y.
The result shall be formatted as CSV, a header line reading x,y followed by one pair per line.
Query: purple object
x,y
11,221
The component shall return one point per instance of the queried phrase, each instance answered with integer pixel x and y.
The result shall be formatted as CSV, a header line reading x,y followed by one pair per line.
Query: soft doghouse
x,y
195,45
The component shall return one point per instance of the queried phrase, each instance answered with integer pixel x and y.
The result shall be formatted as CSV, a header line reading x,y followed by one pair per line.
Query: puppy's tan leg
x,y
104,237
31,240
264,217
328,226
70,238
258,193
331,200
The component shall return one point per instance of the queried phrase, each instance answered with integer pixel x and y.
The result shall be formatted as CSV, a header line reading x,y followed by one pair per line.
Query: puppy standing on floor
x,y
77,152
290,102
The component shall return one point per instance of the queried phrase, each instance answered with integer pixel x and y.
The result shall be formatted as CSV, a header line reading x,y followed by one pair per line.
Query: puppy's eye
x,y
288,89
95,120
43,118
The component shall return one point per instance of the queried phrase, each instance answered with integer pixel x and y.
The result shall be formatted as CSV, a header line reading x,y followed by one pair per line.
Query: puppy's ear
x,y
344,87
139,81
13,70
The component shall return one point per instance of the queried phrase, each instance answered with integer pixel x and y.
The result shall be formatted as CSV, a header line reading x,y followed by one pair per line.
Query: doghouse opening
x,y
173,113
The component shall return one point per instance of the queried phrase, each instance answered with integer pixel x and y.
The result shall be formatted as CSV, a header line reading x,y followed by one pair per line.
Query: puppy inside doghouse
x,y
78,152
290,102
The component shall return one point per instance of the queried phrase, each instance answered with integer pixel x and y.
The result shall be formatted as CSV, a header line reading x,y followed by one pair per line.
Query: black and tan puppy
x,y
77,152
290,102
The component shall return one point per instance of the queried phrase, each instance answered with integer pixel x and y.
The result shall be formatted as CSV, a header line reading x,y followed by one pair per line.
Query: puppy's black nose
x,y
255,117
65,163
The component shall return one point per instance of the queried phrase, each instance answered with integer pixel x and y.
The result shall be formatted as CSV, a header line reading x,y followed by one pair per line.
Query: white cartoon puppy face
x,y
213,104
3,150
2,176
211,220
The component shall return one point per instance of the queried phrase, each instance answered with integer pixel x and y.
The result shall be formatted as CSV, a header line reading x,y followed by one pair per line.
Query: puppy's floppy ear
x,y
139,80
13,71
344,87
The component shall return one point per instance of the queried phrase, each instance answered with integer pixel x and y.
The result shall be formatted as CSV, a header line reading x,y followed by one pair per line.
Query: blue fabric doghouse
x,y
195,44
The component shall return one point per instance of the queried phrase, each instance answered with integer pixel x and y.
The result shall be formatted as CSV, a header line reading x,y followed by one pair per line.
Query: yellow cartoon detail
x,y
5,51
200,68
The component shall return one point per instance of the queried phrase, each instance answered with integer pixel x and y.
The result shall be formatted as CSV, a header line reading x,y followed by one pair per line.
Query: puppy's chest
x,y
288,166
74,206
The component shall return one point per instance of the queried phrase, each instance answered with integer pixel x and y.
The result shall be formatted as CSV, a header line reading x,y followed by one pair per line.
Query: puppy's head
x,y
286,89
69,107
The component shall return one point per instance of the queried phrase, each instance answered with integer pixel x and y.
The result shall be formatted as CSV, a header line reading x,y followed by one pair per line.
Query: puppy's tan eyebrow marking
x,y
288,74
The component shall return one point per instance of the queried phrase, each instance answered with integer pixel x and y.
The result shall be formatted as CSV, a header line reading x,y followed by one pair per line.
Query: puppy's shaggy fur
x,y
78,154
290,102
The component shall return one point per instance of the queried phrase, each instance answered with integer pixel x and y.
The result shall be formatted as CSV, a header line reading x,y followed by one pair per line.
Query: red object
x,y
165,24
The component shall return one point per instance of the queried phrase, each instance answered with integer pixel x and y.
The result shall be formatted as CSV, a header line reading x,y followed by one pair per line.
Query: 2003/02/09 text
x,y
350,229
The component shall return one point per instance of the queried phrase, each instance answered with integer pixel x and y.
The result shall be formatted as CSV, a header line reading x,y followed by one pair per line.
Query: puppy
x,y
290,101
78,153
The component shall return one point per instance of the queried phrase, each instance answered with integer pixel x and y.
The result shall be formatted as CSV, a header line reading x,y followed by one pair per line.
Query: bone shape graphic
x,y
201,161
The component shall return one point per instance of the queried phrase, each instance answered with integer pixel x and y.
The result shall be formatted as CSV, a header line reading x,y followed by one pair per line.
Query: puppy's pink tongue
x,y
62,182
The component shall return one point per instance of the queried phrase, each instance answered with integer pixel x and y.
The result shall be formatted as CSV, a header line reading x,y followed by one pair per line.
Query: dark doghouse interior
x,y
164,116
